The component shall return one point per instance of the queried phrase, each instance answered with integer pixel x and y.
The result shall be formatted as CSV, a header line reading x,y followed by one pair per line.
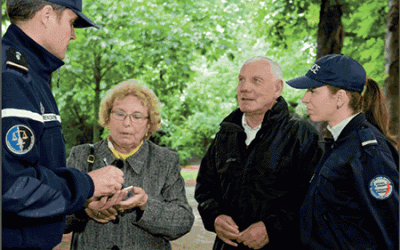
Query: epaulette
x,y
367,137
17,60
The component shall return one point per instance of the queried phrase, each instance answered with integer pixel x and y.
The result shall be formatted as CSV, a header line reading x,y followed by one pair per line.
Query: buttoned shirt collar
x,y
250,132
337,129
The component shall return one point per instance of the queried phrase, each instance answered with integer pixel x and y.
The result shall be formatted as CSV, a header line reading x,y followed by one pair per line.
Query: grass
x,y
192,175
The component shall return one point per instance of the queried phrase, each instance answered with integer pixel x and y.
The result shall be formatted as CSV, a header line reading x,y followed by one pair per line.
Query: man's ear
x,y
278,88
46,14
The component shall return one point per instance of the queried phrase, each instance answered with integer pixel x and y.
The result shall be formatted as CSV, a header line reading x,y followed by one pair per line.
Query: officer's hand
x,y
255,236
107,180
226,229
105,202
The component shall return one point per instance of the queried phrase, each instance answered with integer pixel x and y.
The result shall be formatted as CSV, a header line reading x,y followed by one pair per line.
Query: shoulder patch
x,y
16,59
20,139
381,187
367,137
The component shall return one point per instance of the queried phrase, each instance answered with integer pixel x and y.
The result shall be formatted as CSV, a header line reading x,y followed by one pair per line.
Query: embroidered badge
x,y
20,139
381,187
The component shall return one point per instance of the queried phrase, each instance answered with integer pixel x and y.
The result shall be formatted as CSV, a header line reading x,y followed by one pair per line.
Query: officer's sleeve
x,y
377,180
30,189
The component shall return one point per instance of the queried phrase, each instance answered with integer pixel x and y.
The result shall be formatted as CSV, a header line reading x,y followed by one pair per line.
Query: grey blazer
x,y
167,216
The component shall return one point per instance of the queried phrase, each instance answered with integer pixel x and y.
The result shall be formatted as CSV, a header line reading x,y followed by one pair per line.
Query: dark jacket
x,y
265,182
167,216
353,201
37,188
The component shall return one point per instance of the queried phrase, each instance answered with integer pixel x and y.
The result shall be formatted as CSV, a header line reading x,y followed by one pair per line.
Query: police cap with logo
x,y
76,6
337,70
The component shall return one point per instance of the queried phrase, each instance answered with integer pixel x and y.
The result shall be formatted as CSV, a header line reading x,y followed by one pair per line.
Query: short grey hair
x,y
275,68
24,10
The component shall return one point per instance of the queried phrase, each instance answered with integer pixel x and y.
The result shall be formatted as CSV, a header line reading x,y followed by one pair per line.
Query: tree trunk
x,y
330,29
392,65
330,37
96,131
96,104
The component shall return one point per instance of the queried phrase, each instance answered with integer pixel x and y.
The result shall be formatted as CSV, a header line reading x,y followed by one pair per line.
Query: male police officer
x,y
37,188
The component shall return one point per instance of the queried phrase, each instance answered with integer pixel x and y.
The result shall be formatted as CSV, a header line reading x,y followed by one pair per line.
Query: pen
x,y
105,161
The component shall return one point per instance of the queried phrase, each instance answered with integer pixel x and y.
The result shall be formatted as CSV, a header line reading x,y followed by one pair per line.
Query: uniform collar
x,y
337,129
37,57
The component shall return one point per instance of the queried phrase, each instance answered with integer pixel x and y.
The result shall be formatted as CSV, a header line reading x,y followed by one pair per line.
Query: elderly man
x,y
256,173
38,190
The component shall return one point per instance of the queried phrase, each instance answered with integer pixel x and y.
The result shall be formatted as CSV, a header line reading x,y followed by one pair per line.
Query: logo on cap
x,y
381,187
315,68
20,139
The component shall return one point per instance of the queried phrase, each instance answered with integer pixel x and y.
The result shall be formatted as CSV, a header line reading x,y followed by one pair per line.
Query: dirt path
x,y
198,237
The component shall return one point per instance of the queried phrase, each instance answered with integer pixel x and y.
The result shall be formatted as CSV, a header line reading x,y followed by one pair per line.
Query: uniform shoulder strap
x,y
16,59
367,137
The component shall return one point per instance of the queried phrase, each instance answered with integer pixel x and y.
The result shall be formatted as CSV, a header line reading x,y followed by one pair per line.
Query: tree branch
x,y
349,34
80,118
77,76
107,69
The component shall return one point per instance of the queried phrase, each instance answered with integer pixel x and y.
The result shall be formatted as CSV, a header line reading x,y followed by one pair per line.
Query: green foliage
x,y
190,53
207,99
297,20
5,22
368,44
285,22
133,43
211,96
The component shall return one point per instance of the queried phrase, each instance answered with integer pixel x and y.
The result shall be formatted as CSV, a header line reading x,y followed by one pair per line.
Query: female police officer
x,y
352,202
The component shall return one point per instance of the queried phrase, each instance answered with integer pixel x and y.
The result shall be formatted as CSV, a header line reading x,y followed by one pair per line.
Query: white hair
x,y
275,68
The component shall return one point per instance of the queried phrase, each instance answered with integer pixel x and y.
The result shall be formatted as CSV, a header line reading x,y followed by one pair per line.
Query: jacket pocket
x,y
346,233
334,187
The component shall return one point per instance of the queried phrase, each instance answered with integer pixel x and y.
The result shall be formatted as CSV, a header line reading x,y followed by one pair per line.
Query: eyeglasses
x,y
136,117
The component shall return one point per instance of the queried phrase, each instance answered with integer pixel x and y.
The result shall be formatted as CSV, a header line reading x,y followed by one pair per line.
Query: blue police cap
x,y
76,6
336,70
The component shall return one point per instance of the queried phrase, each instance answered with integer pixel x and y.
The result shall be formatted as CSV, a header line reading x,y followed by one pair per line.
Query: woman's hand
x,y
105,202
102,216
102,210
139,199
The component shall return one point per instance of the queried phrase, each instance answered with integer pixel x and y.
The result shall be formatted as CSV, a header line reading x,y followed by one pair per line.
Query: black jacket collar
x,y
38,58
279,111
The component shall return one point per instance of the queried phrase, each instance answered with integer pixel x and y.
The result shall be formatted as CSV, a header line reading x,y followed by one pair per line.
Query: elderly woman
x,y
155,209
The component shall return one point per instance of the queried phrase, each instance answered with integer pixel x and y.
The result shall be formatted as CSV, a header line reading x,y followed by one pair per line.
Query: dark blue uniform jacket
x,y
37,188
353,200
